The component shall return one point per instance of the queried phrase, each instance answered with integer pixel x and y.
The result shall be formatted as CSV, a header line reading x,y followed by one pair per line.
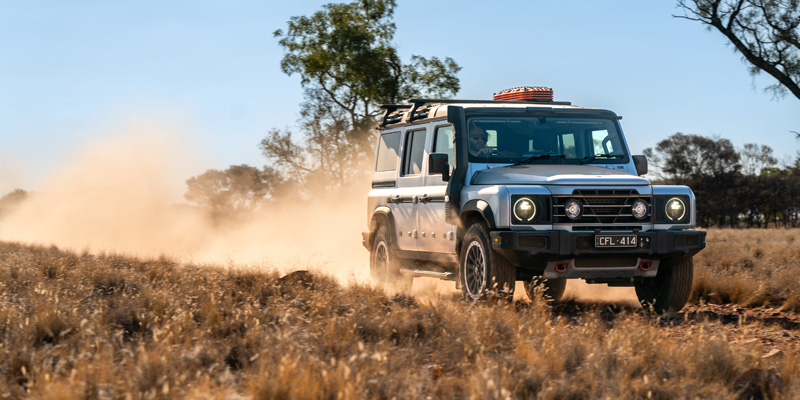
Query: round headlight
x,y
675,209
572,209
524,209
639,209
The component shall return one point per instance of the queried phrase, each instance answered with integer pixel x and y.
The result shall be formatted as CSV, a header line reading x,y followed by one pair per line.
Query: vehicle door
x,y
434,234
410,184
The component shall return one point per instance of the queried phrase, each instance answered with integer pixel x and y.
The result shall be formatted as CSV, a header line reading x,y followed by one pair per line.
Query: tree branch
x,y
332,95
756,60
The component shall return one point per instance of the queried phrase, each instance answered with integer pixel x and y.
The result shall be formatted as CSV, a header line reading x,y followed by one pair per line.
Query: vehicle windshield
x,y
545,140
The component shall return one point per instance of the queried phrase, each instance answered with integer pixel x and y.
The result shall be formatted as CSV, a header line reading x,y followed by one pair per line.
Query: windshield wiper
x,y
589,159
528,159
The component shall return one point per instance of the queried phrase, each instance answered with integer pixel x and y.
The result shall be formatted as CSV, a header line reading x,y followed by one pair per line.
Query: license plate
x,y
615,241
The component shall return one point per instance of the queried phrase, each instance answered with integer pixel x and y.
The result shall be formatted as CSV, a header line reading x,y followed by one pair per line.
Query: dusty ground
x,y
767,329
775,333
764,329
103,326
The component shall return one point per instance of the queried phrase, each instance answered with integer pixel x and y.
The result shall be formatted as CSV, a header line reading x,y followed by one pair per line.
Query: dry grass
x,y
750,267
75,326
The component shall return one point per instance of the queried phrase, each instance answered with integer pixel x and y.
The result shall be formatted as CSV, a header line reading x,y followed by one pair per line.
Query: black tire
x,y
670,289
483,273
384,267
553,289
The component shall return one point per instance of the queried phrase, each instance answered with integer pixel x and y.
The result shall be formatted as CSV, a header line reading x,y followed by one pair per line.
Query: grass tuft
x,y
748,267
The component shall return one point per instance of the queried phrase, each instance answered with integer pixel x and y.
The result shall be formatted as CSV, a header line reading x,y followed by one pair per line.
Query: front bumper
x,y
571,254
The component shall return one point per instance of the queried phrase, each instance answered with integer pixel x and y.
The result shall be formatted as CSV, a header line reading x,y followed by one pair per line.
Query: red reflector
x,y
561,267
525,93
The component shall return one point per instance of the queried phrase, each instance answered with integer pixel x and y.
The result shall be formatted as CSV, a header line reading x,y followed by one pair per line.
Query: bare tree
x,y
765,32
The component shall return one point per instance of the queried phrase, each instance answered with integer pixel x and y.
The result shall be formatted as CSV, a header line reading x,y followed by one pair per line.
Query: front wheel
x,y
670,289
484,273
384,267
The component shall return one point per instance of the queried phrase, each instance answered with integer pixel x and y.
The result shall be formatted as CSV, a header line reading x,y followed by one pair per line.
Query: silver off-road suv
x,y
490,192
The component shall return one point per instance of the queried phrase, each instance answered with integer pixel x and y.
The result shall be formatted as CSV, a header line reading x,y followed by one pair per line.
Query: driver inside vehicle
x,y
477,142
478,138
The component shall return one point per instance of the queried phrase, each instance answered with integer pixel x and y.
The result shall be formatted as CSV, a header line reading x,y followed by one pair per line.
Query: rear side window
x,y
414,151
388,148
443,143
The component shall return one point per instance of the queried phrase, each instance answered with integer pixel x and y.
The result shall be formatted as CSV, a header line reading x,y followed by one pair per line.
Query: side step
x,y
447,276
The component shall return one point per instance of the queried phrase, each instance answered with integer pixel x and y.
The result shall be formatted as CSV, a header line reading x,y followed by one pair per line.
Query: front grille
x,y
602,207
592,228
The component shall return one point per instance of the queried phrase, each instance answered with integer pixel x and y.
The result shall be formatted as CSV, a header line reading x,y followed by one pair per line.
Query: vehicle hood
x,y
562,174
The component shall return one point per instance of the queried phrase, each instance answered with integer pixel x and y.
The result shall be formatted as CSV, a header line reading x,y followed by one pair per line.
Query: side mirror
x,y
641,164
437,164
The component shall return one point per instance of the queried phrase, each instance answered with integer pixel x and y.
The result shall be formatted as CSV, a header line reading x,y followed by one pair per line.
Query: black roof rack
x,y
419,108
429,101
393,113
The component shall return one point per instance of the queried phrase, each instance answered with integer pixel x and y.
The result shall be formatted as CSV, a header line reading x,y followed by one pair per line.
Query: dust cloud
x,y
580,290
433,290
124,195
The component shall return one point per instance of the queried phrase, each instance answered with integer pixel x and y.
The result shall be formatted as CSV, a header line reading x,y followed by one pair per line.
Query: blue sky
x,y
69,71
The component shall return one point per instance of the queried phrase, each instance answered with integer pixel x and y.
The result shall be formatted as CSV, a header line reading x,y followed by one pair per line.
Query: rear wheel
x,y
484,273
384,267
552,289
670,289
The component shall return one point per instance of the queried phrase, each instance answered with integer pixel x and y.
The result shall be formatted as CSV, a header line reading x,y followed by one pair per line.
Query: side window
x,y
388,148
601,144
414,151
443,143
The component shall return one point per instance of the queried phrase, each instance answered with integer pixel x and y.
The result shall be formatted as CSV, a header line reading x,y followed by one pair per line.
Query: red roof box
x,y
525,93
